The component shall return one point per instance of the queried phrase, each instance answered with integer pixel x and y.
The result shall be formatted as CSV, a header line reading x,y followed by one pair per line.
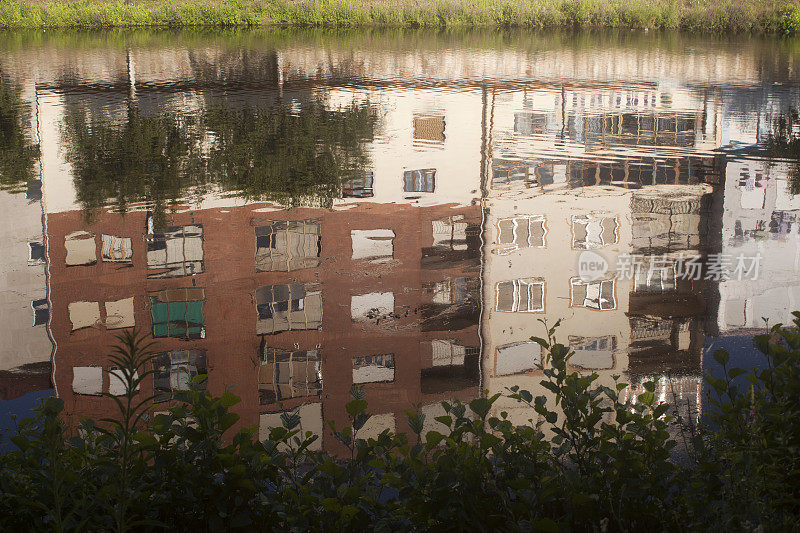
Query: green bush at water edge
x,y
594,461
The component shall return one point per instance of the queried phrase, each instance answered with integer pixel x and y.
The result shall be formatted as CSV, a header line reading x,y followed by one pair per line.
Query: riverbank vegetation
x,y
591,459
719,16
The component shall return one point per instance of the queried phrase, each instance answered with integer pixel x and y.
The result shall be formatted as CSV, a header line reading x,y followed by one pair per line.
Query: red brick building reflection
x,y
285,307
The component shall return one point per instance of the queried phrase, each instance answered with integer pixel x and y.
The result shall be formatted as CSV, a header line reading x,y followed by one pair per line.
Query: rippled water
x,y
295,212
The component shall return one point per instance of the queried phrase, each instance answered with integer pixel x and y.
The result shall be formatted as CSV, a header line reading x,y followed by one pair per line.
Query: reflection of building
x,y
408,286
24,312
667,309
594,174
290,307
761,218
533,247
404,324
24,309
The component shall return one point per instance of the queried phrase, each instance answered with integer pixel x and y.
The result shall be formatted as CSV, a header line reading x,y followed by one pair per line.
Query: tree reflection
x,y
289,157
293,155
784,142
18,152
147,158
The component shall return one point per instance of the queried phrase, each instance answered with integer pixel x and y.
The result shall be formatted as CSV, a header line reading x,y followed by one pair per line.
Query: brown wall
x,y
230,279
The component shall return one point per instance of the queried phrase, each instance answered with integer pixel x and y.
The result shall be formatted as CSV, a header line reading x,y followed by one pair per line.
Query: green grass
x,y
702,16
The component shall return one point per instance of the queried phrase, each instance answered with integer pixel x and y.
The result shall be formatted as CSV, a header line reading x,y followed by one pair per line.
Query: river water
x,y
295,212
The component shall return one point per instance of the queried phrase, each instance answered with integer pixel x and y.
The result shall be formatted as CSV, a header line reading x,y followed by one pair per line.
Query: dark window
x,y
34,192
287,245
36,253
288,307
174,371
289,374
41,312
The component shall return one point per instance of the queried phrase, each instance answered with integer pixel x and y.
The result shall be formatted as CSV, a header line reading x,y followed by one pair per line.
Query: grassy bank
x,y
707,16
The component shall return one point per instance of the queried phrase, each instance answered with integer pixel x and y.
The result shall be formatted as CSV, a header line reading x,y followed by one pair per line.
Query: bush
x,y
592,461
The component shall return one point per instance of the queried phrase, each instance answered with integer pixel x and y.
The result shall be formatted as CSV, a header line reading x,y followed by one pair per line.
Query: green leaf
x,y
542,342
720,385
647,398
547,525
416,421
331,504
229,399
721,356
355,407
433,438
240,519
145,439
660,410
445,419
736,372
480,406
359,420
21,442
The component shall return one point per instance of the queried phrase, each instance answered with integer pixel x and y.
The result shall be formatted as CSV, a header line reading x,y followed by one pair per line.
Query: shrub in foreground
x,y
593,459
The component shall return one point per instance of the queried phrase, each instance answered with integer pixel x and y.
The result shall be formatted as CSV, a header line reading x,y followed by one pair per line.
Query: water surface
x,y
295,212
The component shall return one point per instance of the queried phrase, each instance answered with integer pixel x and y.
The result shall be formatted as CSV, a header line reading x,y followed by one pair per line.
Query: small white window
x,y
372,305
359,187
84,314
87,380
520,296
656,276
310,420
445,352
373,368
374,245
423,180
120,314
517,358
598,295
117,383
81,248
376,425
450,232
117,249
526,231
593,353
590,232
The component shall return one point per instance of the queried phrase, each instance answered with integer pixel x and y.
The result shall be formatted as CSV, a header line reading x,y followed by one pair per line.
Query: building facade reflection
x,y
421,275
